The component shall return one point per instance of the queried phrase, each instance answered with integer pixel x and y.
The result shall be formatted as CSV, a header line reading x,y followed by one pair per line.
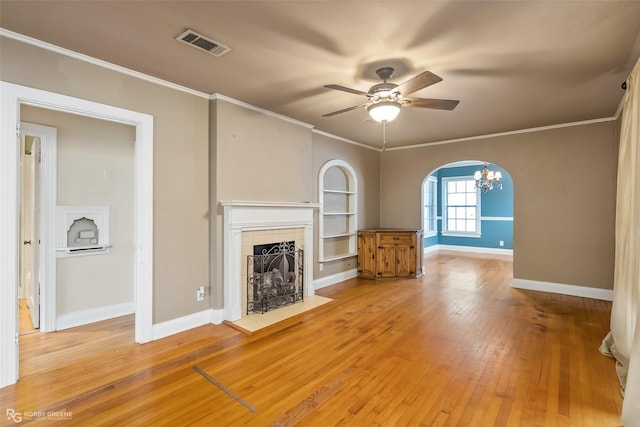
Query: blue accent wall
x,y
496,212
430,241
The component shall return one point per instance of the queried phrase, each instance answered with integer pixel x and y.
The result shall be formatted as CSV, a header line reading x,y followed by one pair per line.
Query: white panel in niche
x,y
82,230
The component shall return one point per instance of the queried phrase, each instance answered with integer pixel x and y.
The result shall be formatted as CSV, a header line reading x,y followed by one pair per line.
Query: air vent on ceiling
x,y
194,39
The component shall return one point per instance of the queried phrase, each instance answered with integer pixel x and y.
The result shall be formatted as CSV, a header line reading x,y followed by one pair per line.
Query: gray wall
x,y
181,191
564,197
261,157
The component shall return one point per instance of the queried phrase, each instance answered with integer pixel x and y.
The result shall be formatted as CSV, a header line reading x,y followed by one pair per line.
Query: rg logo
x,y
14,416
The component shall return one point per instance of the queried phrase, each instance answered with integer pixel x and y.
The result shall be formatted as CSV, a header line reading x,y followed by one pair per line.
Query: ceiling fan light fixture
x,y
384,111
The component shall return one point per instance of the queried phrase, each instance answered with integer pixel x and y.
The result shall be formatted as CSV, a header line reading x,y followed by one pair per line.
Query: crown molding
x,y
507,133
348,141
99,62
258,109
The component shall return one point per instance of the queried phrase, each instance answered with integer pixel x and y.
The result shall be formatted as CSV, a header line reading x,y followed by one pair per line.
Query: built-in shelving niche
x,y
338,221
82,230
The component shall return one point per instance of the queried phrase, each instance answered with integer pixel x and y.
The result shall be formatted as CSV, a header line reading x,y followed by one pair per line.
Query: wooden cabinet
x,y
389,253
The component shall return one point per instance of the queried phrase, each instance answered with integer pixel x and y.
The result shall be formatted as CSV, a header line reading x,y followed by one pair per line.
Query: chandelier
x,y
487,179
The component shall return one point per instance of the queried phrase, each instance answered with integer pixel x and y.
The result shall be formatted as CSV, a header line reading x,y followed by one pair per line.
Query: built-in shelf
x,y
338,257
330,236
85,249
338,211
339,191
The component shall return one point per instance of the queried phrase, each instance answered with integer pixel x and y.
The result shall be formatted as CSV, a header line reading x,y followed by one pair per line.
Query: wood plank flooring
x,y
25,325
456,347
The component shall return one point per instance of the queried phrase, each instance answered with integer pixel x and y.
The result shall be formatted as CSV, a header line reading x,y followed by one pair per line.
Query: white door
x,y
30,214
34,308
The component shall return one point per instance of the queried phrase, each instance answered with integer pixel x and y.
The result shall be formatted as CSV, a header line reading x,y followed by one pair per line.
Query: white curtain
x,y
623,342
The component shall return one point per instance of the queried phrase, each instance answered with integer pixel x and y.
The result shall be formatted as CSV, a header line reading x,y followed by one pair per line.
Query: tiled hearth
x,y
255,322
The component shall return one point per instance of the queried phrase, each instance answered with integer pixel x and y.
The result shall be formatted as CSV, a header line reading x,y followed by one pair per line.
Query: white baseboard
x,y
217,316
559,288
335,278
430,249
473,249
184,323
84,317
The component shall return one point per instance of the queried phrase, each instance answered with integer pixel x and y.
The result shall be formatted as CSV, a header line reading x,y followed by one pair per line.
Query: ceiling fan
x,y
385,99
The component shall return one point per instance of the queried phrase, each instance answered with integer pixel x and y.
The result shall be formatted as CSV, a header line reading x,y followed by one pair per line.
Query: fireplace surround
x,y
247,223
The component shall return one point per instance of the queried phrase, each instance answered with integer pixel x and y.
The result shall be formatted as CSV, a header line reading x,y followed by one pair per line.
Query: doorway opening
x,y
90,279
459,216
14,96
29,284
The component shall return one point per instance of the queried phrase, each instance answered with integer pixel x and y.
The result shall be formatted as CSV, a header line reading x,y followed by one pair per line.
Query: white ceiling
x,y
513,65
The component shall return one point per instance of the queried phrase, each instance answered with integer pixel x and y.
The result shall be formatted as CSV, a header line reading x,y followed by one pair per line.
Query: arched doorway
x,y
457,215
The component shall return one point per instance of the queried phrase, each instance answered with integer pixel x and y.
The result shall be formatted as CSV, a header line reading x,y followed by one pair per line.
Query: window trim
x,y
445,231
430,180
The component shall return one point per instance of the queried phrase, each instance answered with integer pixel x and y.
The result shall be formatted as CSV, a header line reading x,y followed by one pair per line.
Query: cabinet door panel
x,y
366,254
387,261
404,260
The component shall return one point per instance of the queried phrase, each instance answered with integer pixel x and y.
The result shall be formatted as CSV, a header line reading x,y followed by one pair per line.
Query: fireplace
x,y
247,224
275,274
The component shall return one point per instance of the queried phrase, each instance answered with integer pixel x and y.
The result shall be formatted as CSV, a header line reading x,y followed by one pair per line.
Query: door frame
x,y
12,97
48,196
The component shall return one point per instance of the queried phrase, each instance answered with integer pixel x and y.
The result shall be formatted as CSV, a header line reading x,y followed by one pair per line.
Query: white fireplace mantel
x,y
239,216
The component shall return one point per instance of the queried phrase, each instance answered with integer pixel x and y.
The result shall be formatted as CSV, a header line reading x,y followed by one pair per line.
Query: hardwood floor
x,y
25,325
456,347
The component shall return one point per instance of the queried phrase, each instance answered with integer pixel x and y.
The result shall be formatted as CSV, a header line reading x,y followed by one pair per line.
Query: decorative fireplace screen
x,y
274,277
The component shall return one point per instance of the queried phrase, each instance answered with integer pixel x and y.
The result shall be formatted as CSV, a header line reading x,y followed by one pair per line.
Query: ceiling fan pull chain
x,y
384,136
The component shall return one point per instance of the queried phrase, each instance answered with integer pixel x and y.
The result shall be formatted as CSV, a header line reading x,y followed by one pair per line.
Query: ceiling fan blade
x,y
346,89
439,104
420,81
355,107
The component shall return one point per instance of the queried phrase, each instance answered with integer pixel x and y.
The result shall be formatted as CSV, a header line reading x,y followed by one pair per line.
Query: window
x,y
429,197
461,212
338,222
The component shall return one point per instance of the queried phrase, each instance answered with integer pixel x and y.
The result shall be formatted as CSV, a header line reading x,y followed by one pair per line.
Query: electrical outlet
x,y
321,266
200,293
501,242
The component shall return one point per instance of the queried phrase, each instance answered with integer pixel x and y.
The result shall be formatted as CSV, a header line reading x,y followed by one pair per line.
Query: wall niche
x,y
83,230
